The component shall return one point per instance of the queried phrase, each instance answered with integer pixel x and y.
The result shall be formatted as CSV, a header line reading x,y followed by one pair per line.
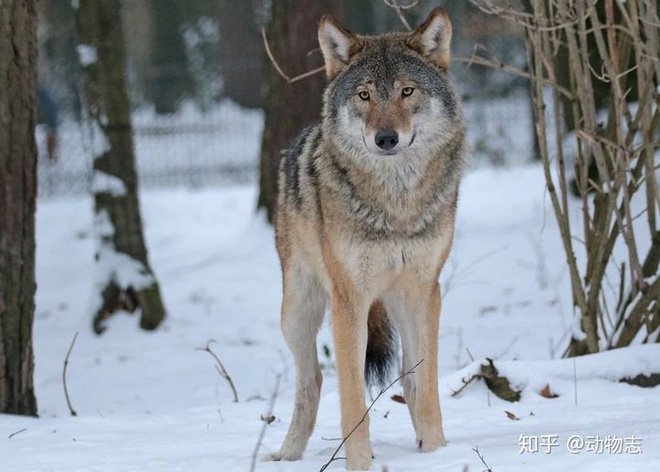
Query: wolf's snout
x,y
386,139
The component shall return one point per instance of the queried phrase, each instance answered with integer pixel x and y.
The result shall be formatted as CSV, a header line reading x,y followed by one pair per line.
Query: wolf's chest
x,y
393,257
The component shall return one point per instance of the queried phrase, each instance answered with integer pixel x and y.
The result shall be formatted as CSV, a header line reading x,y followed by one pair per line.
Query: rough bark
x,y
18,158
124,279
292,34
240,53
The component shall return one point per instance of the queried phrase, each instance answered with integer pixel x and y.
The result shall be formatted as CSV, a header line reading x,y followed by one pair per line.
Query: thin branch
x,y
289,80
465,383
16,432
66,363
483,461
382,391
262,433
498,65
220,367
394,4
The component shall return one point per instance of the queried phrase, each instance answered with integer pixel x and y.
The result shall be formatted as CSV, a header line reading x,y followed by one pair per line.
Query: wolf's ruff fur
x,y
365,230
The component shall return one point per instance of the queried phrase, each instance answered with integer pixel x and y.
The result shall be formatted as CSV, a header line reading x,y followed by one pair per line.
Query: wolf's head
x,y
389,94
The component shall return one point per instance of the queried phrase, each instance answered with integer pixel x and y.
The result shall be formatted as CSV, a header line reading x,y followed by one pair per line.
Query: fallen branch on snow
x,y
265,418
220,367
483,461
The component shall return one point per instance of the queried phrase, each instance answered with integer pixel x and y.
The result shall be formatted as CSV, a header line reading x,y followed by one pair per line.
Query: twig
x,y
465,382
498,65
382,391
220,367
394,4
481,457
66,363
262,433
509,346
17,432
289,80
469,354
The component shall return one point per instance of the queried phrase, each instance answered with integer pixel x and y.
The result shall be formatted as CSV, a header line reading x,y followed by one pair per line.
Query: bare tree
x,y
169,80
616,293
124,279
290,107
241,55
18,190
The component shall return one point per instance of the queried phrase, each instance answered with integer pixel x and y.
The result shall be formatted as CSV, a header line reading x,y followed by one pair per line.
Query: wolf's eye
x,y
364,95
407,91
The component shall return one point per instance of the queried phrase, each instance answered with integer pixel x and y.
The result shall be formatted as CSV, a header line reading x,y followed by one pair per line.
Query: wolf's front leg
x,y
303,306
427,416
349,324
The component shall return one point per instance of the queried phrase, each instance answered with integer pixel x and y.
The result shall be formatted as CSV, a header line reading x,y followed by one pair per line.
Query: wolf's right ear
x,y
432,38
337,45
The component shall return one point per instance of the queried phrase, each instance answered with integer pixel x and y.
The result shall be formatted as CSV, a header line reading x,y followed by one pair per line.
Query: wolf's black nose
x,y
386,139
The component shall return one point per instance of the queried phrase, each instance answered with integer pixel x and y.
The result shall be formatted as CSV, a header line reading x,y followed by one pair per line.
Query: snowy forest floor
x,y
152,402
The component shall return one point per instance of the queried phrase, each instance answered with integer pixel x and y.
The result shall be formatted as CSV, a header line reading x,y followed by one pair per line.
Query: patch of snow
x,y
100,143
87,54
106,183
112,265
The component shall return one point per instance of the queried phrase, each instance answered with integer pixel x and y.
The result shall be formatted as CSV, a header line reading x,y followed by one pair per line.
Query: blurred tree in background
x,y
124,279
18,193
241,53
290,107
169,80
185,60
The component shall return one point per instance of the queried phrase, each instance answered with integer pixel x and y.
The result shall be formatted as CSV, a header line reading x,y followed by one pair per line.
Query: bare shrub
x,y
610,238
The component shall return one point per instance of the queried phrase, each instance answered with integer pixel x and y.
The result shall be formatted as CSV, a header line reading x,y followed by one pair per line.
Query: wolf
x,y
364,224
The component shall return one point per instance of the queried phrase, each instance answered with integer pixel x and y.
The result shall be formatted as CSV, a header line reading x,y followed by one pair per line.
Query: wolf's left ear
x,y
432,38
337,44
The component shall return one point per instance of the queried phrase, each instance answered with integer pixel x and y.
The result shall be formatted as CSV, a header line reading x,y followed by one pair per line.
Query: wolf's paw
x,y
432,442
282,456
359,460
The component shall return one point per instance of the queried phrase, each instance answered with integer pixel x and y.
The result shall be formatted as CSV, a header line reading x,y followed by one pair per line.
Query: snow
x,y
152,402
111,265
106,183
87,54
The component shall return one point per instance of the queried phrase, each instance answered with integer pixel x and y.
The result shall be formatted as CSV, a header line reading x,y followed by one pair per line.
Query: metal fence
x,y
208,139
221,145
190,148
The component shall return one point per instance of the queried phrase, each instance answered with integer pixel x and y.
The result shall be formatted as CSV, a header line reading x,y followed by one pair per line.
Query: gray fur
x,y
382,61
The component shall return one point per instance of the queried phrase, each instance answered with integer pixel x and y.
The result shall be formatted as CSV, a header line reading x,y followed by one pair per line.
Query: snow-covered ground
x,y
152,402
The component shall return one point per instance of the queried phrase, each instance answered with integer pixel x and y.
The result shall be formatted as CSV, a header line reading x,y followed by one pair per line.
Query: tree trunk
x,y
124,280
18,189
241,53
169,79
292,34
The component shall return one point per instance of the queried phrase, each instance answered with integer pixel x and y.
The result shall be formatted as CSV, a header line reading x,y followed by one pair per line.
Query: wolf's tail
x,y
381,346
